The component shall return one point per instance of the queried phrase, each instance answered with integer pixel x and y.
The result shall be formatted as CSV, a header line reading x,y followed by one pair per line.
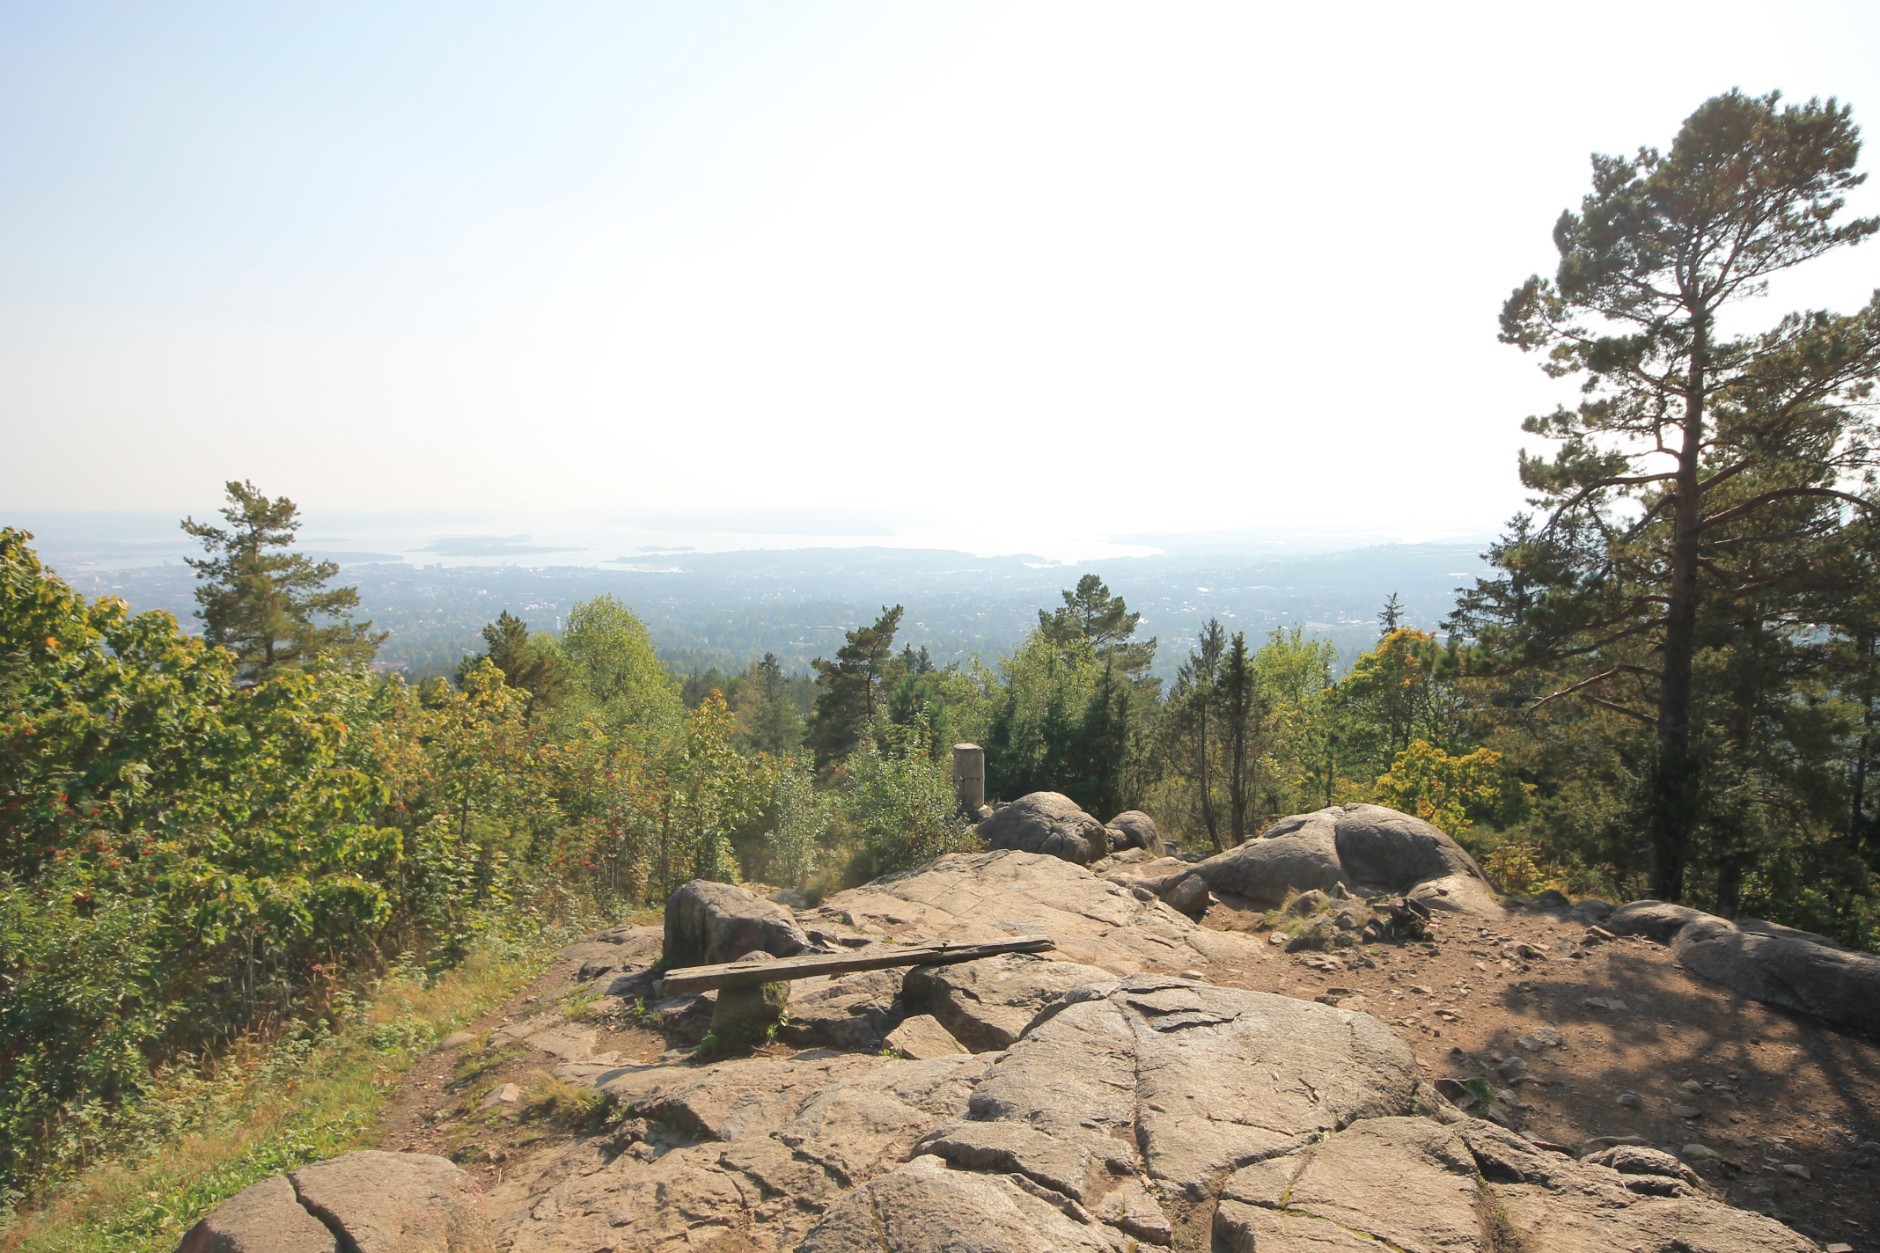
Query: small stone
x,y
1540,1038
1597,935
1839,1246
922,1037
1452,1091
1692,1086
1308,902
1686,1111
1193,974
1512,1068
1699,1153
507,1094
1528,952
1611,1004
1630,1100
1795,1170
1419,989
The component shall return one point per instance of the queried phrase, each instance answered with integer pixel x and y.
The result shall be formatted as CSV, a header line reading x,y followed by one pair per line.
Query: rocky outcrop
x,y
852,1011
987,1004
1543,1200
926,1208
708,923
1764,961
921,1037
1655,920
994,896
1170,1112
1046,822
1782,966
752,1149
1364,848
1107,1114
365,1202
262,1218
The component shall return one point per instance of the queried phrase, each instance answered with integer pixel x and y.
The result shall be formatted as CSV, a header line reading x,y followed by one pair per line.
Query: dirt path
x,y
451,1103
1785,1103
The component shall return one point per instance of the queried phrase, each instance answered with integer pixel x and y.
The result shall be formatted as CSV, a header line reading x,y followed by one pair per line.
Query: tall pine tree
x,y
268,605
1695,447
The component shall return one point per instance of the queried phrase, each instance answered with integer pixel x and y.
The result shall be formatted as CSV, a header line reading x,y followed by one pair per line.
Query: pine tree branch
x,y
1627,480
1781,493
1601,677
1617,708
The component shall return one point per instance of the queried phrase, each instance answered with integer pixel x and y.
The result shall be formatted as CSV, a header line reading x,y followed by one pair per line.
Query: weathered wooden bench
x,y
751,974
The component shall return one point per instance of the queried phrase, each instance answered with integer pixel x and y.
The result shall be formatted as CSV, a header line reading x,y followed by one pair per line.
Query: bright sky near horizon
x,y
1088,266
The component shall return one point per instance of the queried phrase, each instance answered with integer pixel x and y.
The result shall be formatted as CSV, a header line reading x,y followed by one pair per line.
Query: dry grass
x,y
300,1099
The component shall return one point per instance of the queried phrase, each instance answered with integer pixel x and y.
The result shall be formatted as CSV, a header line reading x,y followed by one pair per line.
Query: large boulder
x,y
1782,966
364,1202
1050,823
265,1217
1357,847
708,923
1656,920
1764,961
1134,829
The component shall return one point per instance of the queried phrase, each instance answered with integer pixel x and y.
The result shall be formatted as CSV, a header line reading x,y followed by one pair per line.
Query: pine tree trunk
x,y
1857,834
1207,784
1673,783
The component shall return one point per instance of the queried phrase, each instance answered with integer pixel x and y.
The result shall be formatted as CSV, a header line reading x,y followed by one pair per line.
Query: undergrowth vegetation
x,y
137,1180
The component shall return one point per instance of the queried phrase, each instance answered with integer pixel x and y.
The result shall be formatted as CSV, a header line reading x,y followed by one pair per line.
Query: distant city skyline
x,y
1022,278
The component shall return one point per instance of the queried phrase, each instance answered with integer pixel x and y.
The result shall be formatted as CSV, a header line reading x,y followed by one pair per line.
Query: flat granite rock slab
x,y
757,1147
990,896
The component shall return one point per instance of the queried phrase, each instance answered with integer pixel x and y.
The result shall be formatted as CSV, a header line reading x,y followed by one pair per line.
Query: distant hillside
x,y
727,608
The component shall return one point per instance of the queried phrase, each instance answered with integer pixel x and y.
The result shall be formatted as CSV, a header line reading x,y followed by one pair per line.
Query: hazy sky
x,y
1095,267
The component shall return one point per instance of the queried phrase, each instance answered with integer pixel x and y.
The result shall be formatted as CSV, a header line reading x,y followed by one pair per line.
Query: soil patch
x,y
1644,1049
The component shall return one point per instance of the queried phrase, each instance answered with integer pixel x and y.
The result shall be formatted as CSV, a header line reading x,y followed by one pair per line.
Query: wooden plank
x,y
750,974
